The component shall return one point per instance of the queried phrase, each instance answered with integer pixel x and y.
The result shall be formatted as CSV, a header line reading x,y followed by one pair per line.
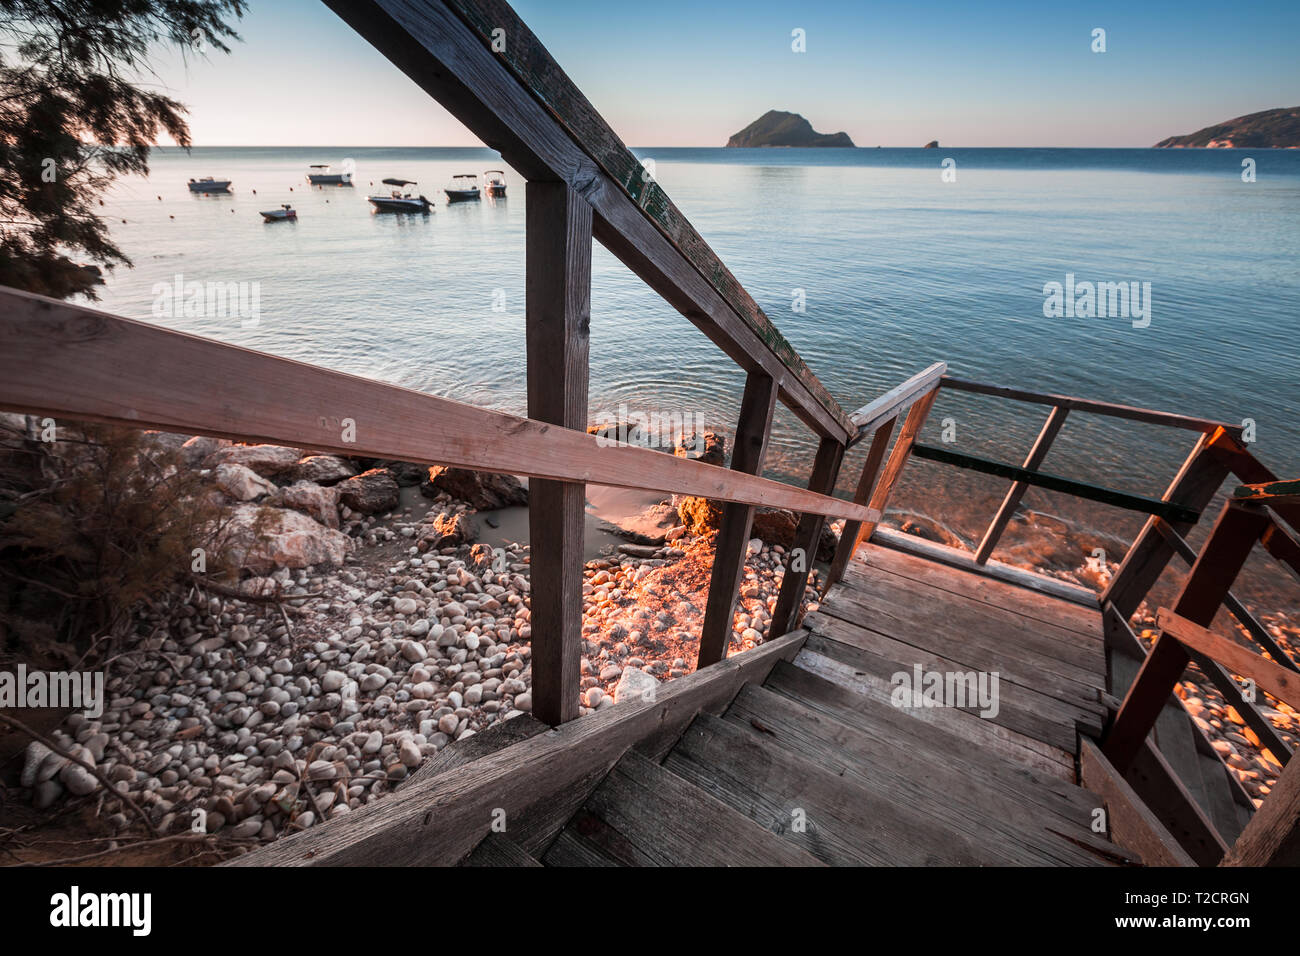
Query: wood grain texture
x,y
852,533
1131,822
82,364
1272,838
898,457
894,402
558,316
1042,445
731,544
1278,681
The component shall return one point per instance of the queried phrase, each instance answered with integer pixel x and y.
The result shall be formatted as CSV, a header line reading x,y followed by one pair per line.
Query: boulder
x,y
407,473
200,448
241,482
699,515
260,539
321,470
370,492
447,530
483,491
266,460
321,503
709,447
635,685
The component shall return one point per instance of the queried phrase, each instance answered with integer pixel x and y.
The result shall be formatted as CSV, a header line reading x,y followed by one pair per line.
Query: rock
x,y
699,515
197,450
447,723
370,492
47,791
777,526
483,491
35,756
333,681
594,696
407,473
635,685
78,780
409,753
449,530
708,447
261,538
933,144
321,470
241,482
319,503
266,460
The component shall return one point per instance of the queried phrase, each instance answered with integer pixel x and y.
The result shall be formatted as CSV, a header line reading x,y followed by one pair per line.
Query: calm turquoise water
x,y
898,269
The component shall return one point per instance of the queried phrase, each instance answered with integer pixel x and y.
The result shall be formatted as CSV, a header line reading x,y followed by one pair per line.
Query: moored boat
x,y
321,175
463,188
401,199
494,183
209,185
279,215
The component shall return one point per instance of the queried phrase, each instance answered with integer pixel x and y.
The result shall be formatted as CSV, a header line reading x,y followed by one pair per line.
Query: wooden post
x,y
866,484
1194,485
732,541
1217,566
1017,491
807,535
894,467
558,284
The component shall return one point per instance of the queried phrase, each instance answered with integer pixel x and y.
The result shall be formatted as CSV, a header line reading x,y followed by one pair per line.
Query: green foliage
x,y
114,523
73,118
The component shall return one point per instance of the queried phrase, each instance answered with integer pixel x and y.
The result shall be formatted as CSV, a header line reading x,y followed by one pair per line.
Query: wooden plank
x,y
894,402
965,561
121,372
732,542
497,849
902,450
978,586
933,742
1131,822
1131,412
1041,479
1195,484
974,731
1160,789
807,537
558,324
1225,551
1278,681
1258,633
1017,490
1269,491
644,815
851,534
517,100
438,821
466,750
964,800
1272,838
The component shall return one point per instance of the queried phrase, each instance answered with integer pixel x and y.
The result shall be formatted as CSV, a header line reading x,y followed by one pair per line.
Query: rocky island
x,y
1267,129
778,128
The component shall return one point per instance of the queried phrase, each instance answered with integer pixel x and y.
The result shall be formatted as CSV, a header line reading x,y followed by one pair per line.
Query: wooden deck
x,y
816,766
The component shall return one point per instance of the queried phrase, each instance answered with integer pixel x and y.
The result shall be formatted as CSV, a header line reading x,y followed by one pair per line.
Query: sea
x,y
874,263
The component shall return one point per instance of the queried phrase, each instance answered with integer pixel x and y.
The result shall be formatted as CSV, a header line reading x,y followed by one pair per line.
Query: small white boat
x,y
320,175
209,185
494,183
280,215
400,199
463,188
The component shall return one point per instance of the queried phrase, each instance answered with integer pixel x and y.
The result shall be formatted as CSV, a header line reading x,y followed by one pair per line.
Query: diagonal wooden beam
x,y
916,416
807,536
849,537
1268,676
1033,460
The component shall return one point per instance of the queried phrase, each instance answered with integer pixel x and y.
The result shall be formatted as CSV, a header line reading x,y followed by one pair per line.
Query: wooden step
x,y
1021,781
644,815
962,800
834,817
497,849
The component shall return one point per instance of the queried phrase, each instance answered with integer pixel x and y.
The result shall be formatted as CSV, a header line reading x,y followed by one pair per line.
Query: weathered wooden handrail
x,y
78,363
1273,835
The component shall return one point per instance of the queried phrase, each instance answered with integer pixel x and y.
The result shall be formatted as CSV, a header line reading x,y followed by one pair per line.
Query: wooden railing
x,y
1258,513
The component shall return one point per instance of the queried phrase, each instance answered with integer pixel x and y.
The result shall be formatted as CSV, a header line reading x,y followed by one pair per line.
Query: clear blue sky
x,y
691,72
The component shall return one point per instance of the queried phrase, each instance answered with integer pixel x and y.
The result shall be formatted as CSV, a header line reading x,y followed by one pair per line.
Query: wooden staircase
x,y
816,766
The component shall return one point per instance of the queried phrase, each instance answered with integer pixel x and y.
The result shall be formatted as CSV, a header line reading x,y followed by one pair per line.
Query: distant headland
x,y
1268,129
778,128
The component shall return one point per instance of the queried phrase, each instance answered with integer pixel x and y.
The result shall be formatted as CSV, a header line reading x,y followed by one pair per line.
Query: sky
x,y
692,72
